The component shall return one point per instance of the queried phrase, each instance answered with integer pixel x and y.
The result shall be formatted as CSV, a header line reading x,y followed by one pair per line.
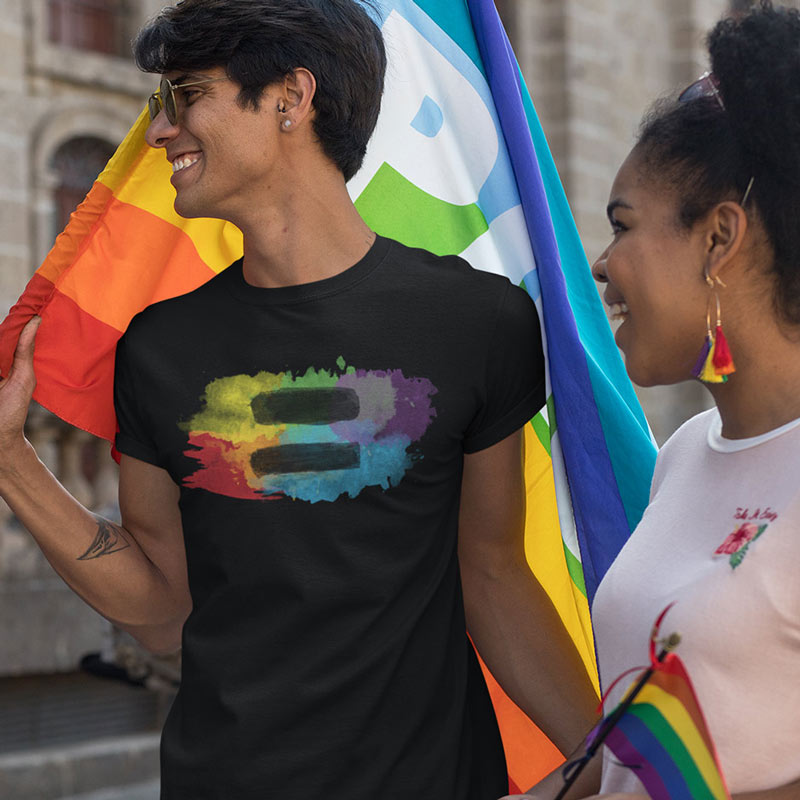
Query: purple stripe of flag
x,y
596,500
651,763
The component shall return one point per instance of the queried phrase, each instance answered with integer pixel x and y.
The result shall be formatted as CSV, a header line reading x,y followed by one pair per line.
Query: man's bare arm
x,y
511,619
135,573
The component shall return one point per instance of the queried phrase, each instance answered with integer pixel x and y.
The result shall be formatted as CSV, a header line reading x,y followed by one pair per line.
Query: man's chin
x,y
188,210
194,208
185,210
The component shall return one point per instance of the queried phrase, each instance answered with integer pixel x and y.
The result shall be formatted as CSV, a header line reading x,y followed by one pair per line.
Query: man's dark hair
x,y
259,42
708,153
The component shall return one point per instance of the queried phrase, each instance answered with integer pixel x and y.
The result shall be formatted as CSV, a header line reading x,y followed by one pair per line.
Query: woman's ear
x,y
726,226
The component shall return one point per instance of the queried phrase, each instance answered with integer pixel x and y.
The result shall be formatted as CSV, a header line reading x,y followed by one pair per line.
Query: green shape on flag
x,y
394,207
545,429
551,414
542,430
575,569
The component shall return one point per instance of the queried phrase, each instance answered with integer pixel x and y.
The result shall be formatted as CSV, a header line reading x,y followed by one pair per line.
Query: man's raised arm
x,y
134,574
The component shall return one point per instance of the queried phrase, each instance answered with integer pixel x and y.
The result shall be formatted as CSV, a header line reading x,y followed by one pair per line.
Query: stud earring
x,y
715,362
287,123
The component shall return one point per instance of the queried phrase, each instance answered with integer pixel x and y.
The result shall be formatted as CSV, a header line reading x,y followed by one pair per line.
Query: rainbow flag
x,y
663,736
458,164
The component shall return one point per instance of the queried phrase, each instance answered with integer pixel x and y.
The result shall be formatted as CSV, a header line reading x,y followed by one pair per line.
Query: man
x,y
310,444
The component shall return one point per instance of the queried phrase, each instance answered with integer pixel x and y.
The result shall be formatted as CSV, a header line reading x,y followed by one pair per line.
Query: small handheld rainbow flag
x,y
659,731
663,736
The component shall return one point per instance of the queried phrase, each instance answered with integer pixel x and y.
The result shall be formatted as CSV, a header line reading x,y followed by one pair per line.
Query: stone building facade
x,y
593,67
68,94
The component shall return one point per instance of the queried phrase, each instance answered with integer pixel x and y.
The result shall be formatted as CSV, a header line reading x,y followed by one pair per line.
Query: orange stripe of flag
x,y
134,259
74,238
530,755
148,188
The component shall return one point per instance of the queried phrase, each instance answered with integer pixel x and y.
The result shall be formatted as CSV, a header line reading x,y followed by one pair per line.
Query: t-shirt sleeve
x,y
514,382
133,438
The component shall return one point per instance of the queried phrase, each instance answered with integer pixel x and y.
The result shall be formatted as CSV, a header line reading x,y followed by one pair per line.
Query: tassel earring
x,y
715,362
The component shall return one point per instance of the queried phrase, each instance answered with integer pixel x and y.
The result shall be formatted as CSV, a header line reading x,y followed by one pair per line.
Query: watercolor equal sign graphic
x,y
305,407
314,436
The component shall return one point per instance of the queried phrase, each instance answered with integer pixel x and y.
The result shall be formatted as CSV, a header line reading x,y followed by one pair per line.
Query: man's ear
x,y
299,89
726,226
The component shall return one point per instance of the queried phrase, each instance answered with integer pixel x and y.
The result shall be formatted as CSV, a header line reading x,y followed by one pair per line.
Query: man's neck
x,y
309,233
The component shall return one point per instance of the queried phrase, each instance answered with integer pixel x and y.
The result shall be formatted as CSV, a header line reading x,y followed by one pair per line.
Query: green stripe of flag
x,y
674,745
544,424
542,430
575,570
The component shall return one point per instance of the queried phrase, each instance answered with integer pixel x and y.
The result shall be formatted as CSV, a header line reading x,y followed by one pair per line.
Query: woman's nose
x,y
599,267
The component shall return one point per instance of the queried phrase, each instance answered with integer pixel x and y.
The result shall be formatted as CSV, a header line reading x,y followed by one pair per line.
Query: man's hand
x,y
135,573
614,796
619,796
16,391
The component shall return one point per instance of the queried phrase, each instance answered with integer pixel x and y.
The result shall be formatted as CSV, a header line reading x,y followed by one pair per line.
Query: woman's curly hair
x,y
709,153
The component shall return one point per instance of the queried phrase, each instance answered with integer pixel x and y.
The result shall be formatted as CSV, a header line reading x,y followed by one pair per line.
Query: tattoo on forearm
x,y
109,539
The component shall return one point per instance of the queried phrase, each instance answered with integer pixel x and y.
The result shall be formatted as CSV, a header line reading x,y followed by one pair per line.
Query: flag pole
x,y
573,770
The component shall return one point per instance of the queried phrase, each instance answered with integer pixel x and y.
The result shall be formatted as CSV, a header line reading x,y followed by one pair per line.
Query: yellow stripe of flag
x,y
545,551
675,713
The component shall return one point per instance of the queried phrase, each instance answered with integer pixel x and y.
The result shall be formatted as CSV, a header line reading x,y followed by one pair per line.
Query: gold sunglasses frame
x,y
164,98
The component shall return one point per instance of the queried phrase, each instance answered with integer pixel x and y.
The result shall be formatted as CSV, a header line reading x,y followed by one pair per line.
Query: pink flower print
x,y
743,535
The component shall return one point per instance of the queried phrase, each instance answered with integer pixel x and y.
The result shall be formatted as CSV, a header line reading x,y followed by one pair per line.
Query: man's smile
x,y
184,161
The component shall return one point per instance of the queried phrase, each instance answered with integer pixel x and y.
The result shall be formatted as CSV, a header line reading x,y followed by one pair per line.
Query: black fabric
x,y
317,435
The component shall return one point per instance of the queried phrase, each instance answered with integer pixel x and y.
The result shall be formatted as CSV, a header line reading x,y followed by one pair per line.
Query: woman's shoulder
x,y
690,437
692,433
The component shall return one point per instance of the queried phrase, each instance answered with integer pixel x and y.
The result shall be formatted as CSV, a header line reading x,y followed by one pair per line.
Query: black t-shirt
x,y
317,435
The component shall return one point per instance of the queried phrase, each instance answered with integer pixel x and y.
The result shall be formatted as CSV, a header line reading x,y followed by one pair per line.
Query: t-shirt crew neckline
x,y
717,442
284,295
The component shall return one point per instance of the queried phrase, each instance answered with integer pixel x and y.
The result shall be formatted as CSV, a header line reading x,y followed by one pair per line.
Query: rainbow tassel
x,y
723,361
701,359
714,363
709,373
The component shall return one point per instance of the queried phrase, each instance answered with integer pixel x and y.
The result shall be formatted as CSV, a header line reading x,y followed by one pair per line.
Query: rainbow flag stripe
x,y
123,249
458,164
663,736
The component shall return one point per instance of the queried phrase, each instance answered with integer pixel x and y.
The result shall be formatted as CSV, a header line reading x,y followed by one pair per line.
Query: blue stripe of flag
x,y
630,444
656,766
600,516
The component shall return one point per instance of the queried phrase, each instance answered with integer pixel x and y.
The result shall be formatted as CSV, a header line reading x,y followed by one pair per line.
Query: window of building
x,y
76,164
97,25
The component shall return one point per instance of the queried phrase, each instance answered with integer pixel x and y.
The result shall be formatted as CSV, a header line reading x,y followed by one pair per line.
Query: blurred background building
x,y
68,95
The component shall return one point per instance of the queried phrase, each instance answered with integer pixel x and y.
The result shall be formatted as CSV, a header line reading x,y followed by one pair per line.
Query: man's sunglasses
x,y
165,98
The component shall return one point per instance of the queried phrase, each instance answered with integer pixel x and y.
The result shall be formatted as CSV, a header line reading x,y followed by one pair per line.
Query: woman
x,y
705,214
